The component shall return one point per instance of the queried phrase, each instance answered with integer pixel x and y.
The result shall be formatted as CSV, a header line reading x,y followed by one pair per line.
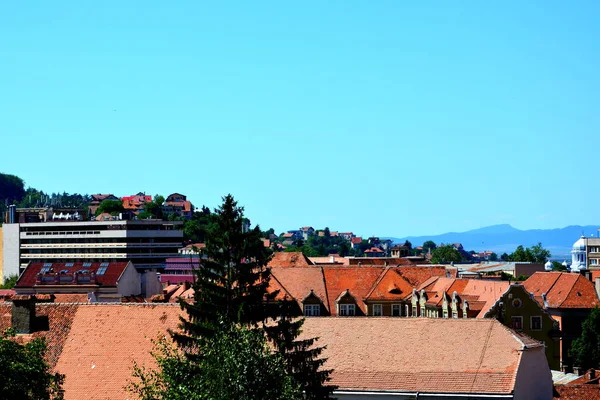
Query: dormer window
x,y
312,310
347,310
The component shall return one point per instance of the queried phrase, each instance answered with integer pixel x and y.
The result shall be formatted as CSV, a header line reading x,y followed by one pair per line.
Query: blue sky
x,y
386,118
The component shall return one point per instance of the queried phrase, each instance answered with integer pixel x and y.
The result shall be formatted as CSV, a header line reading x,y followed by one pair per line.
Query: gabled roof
x,y
389,286
110,277
356,240
298,282
358,280
480,294
484,356
289,259
562,289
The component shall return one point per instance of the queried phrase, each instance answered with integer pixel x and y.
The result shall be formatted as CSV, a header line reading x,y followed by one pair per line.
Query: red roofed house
x,y
136,202
94,346
355,242
569,298
374,252
178,205
101,281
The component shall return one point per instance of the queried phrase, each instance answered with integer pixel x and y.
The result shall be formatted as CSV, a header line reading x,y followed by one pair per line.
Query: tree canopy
x,y
585,350
112,207
445,255
533,254
25,373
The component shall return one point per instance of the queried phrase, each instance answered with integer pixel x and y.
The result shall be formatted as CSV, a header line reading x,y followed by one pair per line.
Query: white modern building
x,y
146,243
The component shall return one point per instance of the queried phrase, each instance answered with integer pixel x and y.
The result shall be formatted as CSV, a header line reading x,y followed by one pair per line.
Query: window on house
x,y
347,310
517,323
445,311
593,261
414,311
101,270
312,310
377,310
536,323
396,310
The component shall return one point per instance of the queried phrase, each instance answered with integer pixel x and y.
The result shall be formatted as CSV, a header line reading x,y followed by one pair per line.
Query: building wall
x,y
534,379
130,282
10,249
593,253
528,307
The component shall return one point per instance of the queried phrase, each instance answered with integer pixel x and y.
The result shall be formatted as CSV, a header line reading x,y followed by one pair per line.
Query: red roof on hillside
x,y
110,272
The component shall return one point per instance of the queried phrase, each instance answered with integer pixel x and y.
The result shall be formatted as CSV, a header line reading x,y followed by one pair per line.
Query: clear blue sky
x,y
386,118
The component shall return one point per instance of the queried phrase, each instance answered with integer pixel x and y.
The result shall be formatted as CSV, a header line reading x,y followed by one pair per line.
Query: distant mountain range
x,y
505,238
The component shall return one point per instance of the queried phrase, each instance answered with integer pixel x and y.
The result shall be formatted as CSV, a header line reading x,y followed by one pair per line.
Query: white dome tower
x,y
548,266
578,255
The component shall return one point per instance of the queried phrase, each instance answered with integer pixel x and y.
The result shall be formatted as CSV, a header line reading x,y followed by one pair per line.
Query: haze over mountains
x,y
505,238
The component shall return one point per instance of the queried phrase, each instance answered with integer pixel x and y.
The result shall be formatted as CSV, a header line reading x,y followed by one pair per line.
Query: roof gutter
x,y
419,395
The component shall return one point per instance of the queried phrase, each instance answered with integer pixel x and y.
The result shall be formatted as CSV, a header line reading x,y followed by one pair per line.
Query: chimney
x,y
23,313
331,259
578,371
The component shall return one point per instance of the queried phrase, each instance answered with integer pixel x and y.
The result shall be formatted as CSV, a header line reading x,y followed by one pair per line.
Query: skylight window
x,y
101,270
69,264
47,264
104,264
44,270
87,264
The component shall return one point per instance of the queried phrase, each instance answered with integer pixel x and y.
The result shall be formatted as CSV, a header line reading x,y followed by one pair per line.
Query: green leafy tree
x,y
12,188
195,229
445,255
493,257
534,254
9,282
504,257
408,244
236,363
429,245
556,266
585,350
112,207
25,373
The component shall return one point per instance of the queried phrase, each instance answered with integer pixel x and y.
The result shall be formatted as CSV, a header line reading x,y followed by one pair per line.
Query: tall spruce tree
x,y
301,357
231,288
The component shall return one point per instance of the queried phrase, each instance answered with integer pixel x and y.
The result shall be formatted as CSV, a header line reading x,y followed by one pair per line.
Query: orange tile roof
x,y
484,356
95,346
417,275
289,259
562,289
390,286
298,282
481,294
576,392
358,280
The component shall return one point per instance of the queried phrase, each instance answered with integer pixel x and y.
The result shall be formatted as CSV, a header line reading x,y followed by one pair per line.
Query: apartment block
x,y
146,243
